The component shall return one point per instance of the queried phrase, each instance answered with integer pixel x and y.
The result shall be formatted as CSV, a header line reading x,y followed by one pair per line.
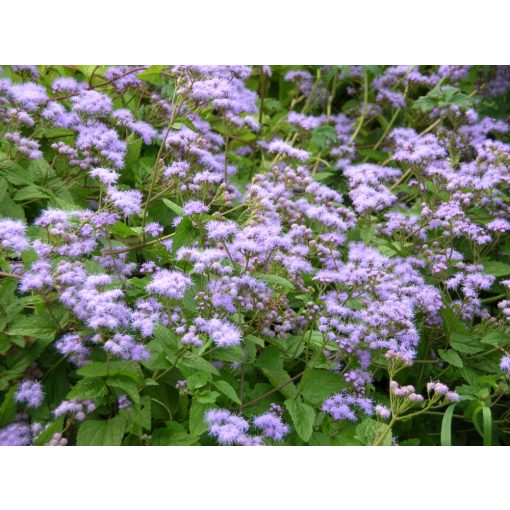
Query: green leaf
x,y
372,432
177,209
31,193
197,424
139,416
323,136
486,430
104,369
303,417
198,363
269,358
274,280
487,426
227,390
126,385
446,426
174,434
134,147
88,388
46,435
451,357
185,234
496,338
465,344
35,326
153,75
279,378
198,380
317,385
206,397
101,432
8,408
496,268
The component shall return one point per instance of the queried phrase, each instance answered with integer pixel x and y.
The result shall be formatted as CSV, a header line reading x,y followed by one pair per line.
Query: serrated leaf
x,y
303,417
177,209
198,363
274,280
451,357
317,385
174,434
126,385
31,193
88,388
465,344
35,326
227,390
152,75
496,268
496,338
371,432
101,432
206,397
197,424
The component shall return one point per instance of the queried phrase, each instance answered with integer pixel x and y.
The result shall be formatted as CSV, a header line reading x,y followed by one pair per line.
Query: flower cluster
x,y
179,240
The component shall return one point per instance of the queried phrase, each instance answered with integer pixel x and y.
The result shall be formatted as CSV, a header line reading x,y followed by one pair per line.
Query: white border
x,y
255,31
253,478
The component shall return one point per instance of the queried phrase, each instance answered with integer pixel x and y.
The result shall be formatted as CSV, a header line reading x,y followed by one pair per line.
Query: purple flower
x,y
29,95
195,207
278,146
30,393
504,364
91,102
72,345
221,230
222,332
105,175
343,406
271,426
129,202
15,434
12,235
125,347
170,284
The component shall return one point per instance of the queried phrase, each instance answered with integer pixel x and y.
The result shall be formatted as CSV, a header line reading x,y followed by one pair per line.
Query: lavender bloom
x,y
170,284
412,149
64,84
105,175
504,364
12,236
29,95
123,402
278,146
226,427
271,426
382,411
91,102
222,332
30,393
77,408
342,406
72,345
125,347
129,202
221,230
15,434
195,207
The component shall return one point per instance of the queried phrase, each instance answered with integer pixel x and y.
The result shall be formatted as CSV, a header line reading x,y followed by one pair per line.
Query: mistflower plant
x,y
254,255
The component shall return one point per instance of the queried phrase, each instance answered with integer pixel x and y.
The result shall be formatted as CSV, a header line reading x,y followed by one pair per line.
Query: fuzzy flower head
x,y
170,284
30,393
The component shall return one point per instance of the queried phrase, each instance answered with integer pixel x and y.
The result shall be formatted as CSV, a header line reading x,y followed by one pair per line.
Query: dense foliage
x,y
196,255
